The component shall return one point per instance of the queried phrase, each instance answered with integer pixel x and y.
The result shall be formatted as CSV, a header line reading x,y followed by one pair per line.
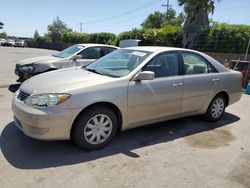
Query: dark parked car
x,y
8,42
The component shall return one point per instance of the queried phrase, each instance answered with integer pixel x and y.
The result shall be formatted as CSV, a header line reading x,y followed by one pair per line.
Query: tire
x,y
216,109
94,128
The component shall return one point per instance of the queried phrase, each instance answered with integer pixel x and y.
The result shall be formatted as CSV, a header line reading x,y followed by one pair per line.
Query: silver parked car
x,y
76,55
20,43
127,88
2,41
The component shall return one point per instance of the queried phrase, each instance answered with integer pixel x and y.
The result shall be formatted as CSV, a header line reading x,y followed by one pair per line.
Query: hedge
x,y
220,37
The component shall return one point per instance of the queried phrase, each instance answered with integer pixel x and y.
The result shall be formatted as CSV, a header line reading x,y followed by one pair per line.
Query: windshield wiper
x,y
94,71
55,55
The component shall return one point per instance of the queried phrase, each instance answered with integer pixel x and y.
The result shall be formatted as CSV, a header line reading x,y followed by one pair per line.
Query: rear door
x,y
201,80
89,55
153,100
107,50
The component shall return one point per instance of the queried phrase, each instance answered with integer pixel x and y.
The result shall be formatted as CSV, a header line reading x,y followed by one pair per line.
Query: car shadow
x,y
14,87
25,153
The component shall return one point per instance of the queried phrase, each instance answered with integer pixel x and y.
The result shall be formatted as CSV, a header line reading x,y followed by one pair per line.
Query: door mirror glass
x,y
145,75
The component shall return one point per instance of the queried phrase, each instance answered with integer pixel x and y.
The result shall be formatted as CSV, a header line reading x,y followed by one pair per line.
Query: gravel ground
x,y
187,152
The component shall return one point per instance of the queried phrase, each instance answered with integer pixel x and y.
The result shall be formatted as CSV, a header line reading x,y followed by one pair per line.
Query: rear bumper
x,y
6,44
234,97
19,45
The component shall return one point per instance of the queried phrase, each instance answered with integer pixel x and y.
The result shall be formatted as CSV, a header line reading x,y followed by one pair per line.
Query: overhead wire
x,y
122,14
134,11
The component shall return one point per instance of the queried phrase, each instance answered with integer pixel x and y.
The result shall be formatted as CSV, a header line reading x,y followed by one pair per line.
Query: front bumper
x,y
43,124
23,75
19,45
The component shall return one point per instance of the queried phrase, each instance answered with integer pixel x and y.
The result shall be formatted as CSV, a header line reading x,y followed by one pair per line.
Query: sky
x,y
22,17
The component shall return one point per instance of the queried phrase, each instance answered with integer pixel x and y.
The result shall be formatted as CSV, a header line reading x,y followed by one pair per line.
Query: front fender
x,y
39,67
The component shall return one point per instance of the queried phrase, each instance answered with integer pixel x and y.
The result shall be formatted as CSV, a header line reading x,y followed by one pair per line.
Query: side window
x,y
164,65
107,50
91,53
195,64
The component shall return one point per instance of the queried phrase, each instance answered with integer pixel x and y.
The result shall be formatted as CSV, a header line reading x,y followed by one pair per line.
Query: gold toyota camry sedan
x,y
127,88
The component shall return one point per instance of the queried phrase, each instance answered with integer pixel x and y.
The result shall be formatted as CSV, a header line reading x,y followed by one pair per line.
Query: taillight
x,y
242,81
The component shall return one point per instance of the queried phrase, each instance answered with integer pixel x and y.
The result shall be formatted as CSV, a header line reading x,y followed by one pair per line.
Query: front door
x,y
157,99
89,55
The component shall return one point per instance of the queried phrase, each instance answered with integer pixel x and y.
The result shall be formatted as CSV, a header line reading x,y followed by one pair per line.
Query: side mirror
x,y
75,57
145,75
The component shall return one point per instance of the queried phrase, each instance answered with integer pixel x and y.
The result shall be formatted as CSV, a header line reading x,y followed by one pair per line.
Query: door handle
x,y
215,79
177,84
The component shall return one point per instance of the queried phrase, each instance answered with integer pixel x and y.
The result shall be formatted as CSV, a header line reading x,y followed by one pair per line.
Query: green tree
x,y
1,25
157,19
170,14
196,21
36,34
3,35
154,20
56,29
175,21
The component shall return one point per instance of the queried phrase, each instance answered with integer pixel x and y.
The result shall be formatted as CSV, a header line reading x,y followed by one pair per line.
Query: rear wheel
x,y
216,108
95,128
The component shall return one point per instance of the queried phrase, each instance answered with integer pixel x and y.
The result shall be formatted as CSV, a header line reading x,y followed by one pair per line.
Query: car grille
x,y
22,95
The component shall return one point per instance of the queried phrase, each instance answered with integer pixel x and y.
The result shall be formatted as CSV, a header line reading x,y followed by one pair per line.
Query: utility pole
x,y
80,27
166,5
247,49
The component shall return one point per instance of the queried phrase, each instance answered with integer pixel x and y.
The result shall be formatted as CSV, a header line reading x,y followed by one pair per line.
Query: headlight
x,y
46,100
26,68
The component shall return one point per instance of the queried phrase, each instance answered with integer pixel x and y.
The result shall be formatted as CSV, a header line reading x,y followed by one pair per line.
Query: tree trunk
x,y
196,21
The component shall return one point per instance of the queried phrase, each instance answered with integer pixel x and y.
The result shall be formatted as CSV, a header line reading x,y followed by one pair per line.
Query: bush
x,y
105,38
43,39
133,34
74,37
223,37
168,35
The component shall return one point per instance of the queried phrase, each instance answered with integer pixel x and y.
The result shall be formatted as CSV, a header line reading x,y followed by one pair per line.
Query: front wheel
x,y
95,128
216,108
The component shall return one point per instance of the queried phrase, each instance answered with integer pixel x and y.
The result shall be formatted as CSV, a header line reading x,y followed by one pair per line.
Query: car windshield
x,y
69,51
118,63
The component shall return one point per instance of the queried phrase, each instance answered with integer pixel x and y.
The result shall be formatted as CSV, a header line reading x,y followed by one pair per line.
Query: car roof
x,y
93,44
157,48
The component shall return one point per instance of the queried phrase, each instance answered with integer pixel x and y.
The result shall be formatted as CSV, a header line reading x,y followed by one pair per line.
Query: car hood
x,y
44,59
62,81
